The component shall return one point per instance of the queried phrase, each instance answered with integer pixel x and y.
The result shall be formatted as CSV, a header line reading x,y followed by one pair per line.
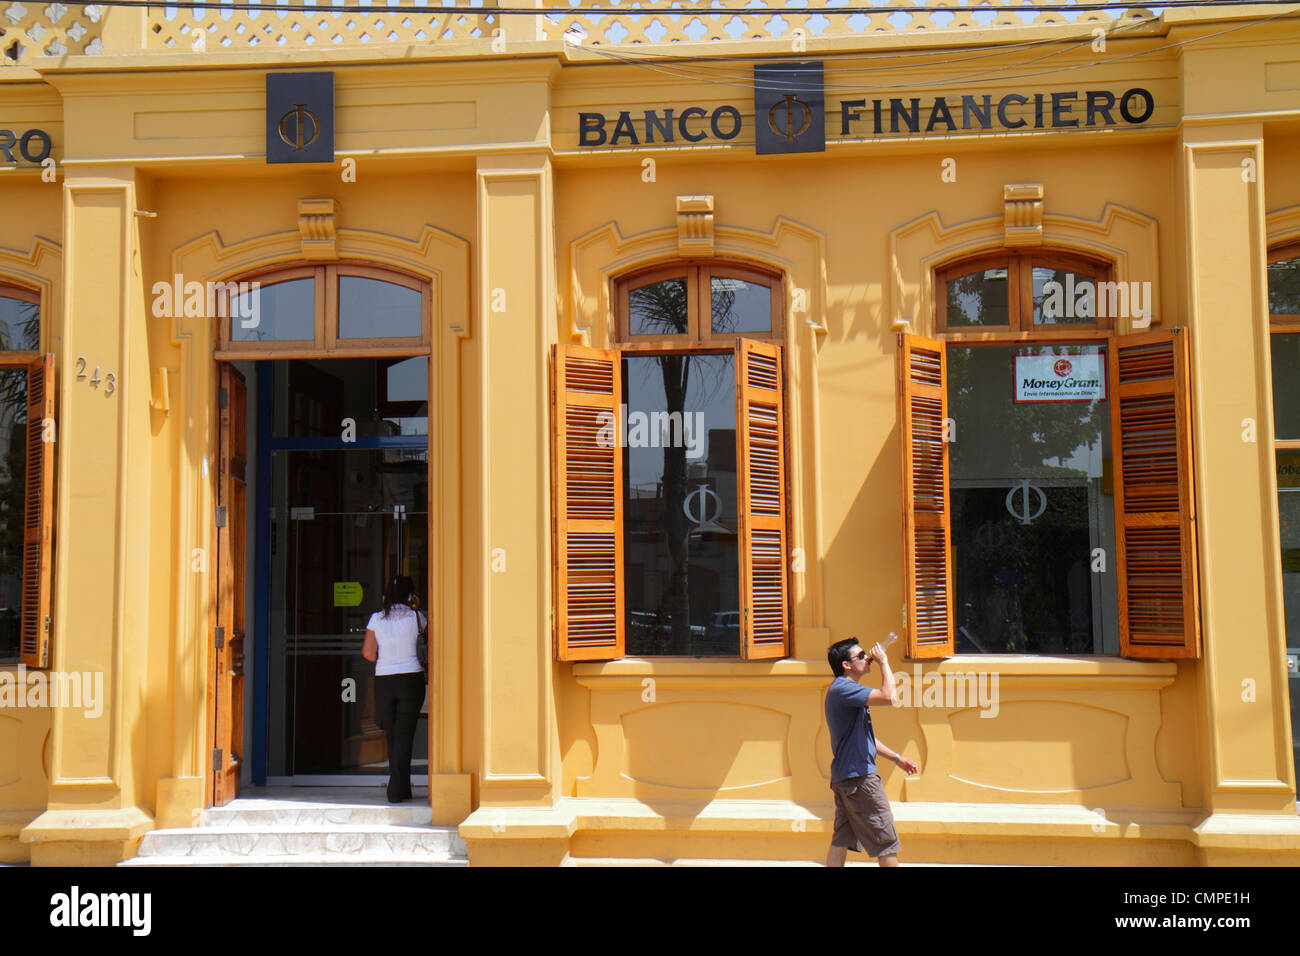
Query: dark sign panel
x,y
789,108
300,117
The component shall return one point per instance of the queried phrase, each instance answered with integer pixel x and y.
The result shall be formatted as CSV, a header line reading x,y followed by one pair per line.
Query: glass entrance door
x,y
346,512
336,563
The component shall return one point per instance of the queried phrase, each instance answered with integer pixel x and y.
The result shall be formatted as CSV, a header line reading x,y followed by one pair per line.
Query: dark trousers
x,y
398,698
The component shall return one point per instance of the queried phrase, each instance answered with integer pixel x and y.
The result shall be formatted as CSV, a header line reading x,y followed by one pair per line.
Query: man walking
x,y
863,820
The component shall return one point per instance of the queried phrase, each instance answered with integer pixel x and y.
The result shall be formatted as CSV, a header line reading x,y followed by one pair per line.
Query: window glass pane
x,y
383,397
281,312
659,309
1032,499
679,518
1284,287
13,501
740,306
1062,297
1286,385
1288,509
372,309
979,298
20,325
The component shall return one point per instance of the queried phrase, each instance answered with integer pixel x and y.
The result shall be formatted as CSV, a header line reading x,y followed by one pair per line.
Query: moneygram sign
x,y
790,110
1060,378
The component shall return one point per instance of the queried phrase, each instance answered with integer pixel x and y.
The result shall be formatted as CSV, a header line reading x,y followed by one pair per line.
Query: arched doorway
x,y
325,392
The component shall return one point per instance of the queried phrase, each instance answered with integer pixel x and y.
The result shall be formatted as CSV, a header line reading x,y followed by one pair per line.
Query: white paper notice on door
x,y
1060,378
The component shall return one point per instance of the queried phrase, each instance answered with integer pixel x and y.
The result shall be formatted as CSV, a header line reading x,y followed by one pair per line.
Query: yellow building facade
x,y
546,211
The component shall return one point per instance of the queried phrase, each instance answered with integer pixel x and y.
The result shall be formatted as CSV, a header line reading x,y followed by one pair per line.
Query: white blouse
x,y
396,635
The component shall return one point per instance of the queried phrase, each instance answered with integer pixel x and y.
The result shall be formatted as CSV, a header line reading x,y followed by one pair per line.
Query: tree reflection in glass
x,y
662,308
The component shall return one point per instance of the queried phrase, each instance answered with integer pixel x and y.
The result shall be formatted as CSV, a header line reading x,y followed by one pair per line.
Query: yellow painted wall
x,y
479,162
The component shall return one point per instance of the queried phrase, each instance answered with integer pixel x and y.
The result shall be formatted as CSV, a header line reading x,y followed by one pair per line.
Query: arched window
x,y
26,478
1284,315
1047,466
1028,292
670,471
20,319
1284,284
317,310
668,305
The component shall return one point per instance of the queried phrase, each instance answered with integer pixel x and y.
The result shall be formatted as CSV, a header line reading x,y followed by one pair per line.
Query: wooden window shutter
x,y
1159,615
760,496
587,476
38,522
927,517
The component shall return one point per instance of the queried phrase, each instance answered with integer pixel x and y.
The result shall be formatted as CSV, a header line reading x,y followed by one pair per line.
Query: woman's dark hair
x,y
839,653
399,591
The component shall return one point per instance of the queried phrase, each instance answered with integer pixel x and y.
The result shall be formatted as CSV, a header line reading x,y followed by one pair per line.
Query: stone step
x,y
269,813
306,859
629,861
342,842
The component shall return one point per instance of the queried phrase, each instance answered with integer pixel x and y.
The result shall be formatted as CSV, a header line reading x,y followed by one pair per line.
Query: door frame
x,y
266,444
230,625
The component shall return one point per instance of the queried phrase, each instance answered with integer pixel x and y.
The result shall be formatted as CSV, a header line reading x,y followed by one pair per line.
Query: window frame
x,y
698,274
1283,321
10,289
326,341
1020,265
1021,330
26,360
700,339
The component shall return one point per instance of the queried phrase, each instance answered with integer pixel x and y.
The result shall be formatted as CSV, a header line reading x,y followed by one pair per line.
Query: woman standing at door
x,y
391,637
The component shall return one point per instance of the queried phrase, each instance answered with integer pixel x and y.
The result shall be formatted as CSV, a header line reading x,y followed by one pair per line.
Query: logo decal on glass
x,y
696,512
1026,489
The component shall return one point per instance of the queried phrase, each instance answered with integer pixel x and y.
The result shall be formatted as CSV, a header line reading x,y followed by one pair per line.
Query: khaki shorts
x,y
863,820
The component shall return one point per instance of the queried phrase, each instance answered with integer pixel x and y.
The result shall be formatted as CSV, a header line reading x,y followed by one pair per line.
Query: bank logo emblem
x,y
782,121
300,117
1026,491
701,512
789,108
1062,367
295,123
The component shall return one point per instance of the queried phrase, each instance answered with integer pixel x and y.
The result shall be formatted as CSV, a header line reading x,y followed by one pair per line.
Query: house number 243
x,y
109,379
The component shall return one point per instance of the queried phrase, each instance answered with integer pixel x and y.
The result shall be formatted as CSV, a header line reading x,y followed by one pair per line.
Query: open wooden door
x,y
228,637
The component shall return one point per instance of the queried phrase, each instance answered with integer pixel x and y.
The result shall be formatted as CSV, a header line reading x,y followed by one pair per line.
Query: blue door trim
x,y
262,570
266,444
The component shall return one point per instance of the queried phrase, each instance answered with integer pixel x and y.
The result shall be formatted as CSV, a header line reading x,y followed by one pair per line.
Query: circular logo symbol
x,y
1026,489
698,512
793,105
299,128
1062,367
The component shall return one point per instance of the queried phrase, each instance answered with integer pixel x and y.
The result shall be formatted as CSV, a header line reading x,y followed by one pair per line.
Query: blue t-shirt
x,y
849,722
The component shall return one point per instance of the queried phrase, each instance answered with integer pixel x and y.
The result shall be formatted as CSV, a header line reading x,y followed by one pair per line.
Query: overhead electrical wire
x,y
708,77
647,60
273,7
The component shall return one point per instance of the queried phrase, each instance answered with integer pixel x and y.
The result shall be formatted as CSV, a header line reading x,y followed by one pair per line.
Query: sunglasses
x,y
860,656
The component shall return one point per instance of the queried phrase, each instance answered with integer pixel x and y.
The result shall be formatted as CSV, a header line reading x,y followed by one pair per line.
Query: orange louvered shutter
x,y
760,497
38,519
927,518
1154,516
587,475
